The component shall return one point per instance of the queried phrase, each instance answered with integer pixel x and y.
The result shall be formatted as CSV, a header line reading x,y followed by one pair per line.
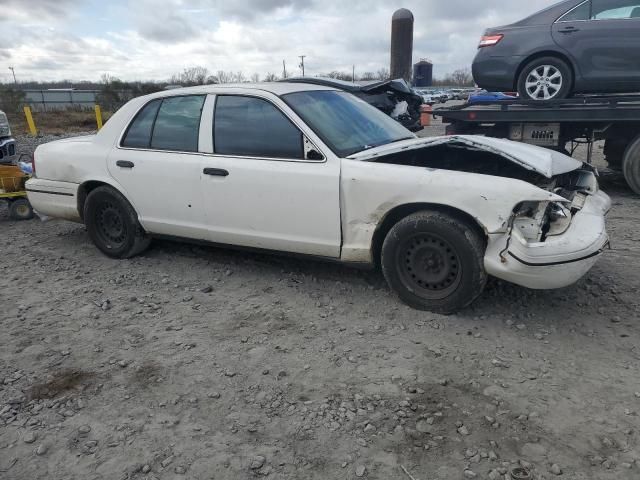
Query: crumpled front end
x,y
553,244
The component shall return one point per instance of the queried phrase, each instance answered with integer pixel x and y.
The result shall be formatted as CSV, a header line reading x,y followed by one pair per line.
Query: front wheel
x,y
544,79
113,224
434,262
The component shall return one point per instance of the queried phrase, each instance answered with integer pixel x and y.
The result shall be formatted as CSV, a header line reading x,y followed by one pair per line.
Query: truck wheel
x,y
113,224
544,79
20,209
434,262
631,165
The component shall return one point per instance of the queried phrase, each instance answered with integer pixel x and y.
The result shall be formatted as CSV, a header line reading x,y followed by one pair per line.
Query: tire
x,y
533,78
450,255
631,165
20,209
113,224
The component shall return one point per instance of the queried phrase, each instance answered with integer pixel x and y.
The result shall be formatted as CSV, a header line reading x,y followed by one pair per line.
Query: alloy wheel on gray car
x,y
544,82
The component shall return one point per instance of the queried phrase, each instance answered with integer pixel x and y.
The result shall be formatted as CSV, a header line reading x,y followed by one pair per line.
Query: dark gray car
x,y
575,46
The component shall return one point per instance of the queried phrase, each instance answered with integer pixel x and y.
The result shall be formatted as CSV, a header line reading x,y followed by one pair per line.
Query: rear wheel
x,y
113,224
631,165
20,209
544,79
434,262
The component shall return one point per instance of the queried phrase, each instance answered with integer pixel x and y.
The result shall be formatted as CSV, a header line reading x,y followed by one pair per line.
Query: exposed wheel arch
x,y
545,53
87,187
401,211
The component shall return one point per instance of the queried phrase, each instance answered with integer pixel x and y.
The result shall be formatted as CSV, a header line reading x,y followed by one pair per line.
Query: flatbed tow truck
x,y
560,125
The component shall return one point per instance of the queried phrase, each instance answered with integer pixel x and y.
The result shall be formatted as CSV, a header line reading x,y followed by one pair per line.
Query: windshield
x,y
344,122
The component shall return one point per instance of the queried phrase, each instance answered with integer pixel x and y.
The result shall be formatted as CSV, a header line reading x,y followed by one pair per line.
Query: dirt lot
x,y
203,363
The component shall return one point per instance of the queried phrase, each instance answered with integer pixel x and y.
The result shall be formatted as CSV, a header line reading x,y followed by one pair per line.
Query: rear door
x,y
603,39
158,165
261,187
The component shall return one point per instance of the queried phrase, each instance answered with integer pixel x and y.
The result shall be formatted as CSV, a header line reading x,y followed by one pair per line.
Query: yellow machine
x,y
12,189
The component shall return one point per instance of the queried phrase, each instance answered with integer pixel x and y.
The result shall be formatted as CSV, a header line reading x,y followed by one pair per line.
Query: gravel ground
x,y
204,363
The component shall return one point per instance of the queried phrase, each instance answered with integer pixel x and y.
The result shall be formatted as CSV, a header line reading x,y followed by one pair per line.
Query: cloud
x,y
153,39
36,9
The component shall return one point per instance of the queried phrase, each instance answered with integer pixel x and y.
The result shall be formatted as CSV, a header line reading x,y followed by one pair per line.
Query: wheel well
x,y
547,53
84,191
402,211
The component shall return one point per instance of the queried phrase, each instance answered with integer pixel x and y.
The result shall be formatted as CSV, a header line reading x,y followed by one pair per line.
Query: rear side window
x,y
253,127
579,13
167,124
139,133
177,125
615,9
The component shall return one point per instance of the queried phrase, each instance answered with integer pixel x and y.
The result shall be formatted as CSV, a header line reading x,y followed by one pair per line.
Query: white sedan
x,y
311,170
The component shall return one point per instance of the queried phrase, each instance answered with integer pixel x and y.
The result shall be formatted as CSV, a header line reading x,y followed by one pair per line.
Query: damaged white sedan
x,y
310,170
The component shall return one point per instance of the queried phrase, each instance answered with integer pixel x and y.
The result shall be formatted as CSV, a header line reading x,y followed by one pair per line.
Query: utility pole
x,y
302,63
353,74
284,70
14,75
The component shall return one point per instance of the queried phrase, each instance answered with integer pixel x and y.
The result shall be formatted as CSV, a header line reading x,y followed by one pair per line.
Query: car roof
x,y
277,88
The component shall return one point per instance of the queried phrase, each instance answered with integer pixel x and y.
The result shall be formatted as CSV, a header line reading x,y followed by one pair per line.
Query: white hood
x,y
541,160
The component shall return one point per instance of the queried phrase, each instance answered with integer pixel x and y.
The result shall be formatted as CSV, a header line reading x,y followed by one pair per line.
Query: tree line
x,y
115,92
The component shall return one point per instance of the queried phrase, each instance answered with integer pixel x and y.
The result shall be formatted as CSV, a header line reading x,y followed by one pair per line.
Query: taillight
x,y
490,40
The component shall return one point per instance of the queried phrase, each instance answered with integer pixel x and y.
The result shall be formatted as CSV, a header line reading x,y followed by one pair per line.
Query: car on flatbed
x,y
312,170
574,46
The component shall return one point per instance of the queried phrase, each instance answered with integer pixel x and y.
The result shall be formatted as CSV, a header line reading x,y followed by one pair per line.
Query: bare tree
x,y
347,77
107,78
224,77
270,77
462,77
194,76
255,78
368,76
238,77
383,74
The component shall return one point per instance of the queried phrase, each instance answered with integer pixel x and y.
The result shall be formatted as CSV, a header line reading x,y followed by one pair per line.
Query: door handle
x,y
125,164
216,172
569,30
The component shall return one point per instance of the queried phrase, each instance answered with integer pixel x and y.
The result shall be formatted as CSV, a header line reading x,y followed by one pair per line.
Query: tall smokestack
x,y
402,44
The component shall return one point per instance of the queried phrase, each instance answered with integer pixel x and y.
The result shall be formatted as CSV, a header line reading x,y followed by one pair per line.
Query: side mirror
x,y
314,155
311,152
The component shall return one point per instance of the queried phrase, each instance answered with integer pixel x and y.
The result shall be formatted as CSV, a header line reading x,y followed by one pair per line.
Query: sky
x,y
153,39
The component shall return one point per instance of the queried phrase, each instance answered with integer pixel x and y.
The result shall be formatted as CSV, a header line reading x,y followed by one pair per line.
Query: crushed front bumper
x,y
557,262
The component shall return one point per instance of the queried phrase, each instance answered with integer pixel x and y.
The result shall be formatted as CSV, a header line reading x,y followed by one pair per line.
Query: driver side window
x,y
253,127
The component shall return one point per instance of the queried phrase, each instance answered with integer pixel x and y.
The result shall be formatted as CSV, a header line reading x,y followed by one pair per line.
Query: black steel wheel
x,y
429,264
113,224
434,261
110,224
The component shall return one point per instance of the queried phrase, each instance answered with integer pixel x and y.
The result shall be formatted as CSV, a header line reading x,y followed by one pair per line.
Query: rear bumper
x,y
54,199
495,74
558,262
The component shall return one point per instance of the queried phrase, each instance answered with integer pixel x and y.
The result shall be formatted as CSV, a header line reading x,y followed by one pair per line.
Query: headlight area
x,y
536,221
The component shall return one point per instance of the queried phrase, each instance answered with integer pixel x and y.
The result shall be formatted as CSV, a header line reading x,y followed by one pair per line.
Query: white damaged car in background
x,y
306,169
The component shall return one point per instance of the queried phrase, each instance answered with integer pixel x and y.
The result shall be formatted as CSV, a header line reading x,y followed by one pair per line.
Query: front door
x,y
603,38
259,190
158,165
